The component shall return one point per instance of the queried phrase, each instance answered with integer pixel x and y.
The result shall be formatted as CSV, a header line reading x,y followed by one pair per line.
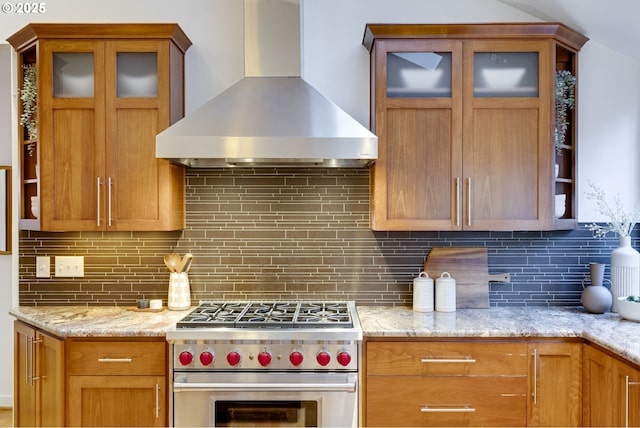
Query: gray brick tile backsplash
x,y
297,234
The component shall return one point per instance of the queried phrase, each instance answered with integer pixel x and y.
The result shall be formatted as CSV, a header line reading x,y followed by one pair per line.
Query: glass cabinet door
x,y
505,74
73,75
418,74
137,74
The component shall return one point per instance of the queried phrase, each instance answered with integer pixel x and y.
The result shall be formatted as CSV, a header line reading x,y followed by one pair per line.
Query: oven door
x,y
265,399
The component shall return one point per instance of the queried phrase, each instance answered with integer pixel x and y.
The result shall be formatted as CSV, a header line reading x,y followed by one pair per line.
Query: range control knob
x,y
344,358
296,358
206,358
233,358
323,358
185,357
264,358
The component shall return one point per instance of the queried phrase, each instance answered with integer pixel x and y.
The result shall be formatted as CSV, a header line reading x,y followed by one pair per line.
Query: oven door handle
x,y
275,387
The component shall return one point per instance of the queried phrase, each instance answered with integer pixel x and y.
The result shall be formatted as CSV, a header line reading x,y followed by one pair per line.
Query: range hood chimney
x,y
271,117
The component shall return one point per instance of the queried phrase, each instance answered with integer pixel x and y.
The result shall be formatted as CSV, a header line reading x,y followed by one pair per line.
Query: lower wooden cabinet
x,y
88,381
555,384
116,401
446,401
116,382
473,383
421,383
627,379
611,394
38,378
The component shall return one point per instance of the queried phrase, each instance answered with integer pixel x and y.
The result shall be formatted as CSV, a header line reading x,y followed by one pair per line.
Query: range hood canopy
x,y
269,120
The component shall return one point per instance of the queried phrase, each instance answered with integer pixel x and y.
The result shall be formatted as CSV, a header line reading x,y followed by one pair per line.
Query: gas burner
x,y
274,314
268,315
324,314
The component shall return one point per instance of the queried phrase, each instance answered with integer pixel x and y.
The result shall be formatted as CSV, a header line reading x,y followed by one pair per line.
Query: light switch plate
x,y
43,267
69,266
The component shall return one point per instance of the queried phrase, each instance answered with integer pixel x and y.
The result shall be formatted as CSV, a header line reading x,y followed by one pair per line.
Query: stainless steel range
x,y
265,364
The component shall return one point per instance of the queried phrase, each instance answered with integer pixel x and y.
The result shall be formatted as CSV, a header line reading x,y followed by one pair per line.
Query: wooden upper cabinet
x,y
465,120
103,93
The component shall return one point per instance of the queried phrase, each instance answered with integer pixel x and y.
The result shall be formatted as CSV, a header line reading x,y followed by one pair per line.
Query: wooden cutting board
x,y
470,268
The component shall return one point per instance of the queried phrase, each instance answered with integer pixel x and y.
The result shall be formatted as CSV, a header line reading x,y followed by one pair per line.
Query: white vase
x,y
625,271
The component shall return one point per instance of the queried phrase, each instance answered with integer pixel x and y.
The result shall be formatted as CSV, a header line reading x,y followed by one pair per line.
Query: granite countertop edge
x,y
98,321
608,330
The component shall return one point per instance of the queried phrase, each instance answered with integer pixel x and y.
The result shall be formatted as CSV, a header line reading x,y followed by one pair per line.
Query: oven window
x,y
266,413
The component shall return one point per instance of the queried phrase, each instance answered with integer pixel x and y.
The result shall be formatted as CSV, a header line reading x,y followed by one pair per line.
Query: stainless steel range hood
x,y
274,118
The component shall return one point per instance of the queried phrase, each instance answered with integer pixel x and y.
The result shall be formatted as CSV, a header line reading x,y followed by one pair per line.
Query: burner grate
x,y
323,314
268,315
274,314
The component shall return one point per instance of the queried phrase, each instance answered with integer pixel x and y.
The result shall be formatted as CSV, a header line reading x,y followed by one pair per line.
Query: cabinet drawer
x,y
116,358
446,358
446,401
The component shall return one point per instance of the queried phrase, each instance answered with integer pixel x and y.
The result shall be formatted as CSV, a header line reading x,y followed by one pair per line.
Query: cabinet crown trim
x,y
516,30
32,32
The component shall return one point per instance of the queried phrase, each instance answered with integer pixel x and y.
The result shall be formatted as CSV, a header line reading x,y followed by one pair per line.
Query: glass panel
x,y
505,74
266,413
137,74
73,75
419,74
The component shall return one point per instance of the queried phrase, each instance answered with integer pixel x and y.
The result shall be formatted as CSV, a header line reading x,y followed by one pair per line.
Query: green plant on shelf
x,y
565,100
29,98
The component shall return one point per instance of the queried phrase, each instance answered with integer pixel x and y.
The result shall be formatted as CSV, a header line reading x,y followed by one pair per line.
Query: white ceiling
x,y
612,23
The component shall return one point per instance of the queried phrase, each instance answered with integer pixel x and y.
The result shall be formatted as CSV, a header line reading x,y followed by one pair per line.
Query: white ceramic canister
x,y
445,293
179,291
423,293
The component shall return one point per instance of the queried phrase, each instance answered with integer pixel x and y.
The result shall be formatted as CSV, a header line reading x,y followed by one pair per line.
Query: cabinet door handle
x,y
27,359
535,376
468,201
457,184
468,359
98,213
627,384
157,401
32,342
626,401
109,202
462,408
115,360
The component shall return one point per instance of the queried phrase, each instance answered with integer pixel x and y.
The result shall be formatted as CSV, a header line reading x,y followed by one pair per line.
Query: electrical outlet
x,y
69,266
43,267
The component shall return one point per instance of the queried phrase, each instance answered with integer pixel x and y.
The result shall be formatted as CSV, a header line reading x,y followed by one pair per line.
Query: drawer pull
x,y
115,360
448,360
461,408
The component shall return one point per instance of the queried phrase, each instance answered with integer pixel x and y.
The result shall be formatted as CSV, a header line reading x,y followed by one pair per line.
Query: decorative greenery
x,y
29,98
621,222
565,100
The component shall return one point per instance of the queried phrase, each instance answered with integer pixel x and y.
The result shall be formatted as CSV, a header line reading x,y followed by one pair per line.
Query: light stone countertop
x,y
98,321
607,330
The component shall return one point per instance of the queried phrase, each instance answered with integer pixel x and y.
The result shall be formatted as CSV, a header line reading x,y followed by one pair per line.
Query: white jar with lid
x,y
423,293
445,293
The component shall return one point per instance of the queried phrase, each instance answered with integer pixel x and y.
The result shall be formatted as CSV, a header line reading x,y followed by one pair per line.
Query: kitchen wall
x,y
297,234
8,275
372,266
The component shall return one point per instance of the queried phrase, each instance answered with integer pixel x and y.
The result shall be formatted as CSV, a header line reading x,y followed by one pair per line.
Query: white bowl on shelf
x,y
628,310
35,206
560,205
